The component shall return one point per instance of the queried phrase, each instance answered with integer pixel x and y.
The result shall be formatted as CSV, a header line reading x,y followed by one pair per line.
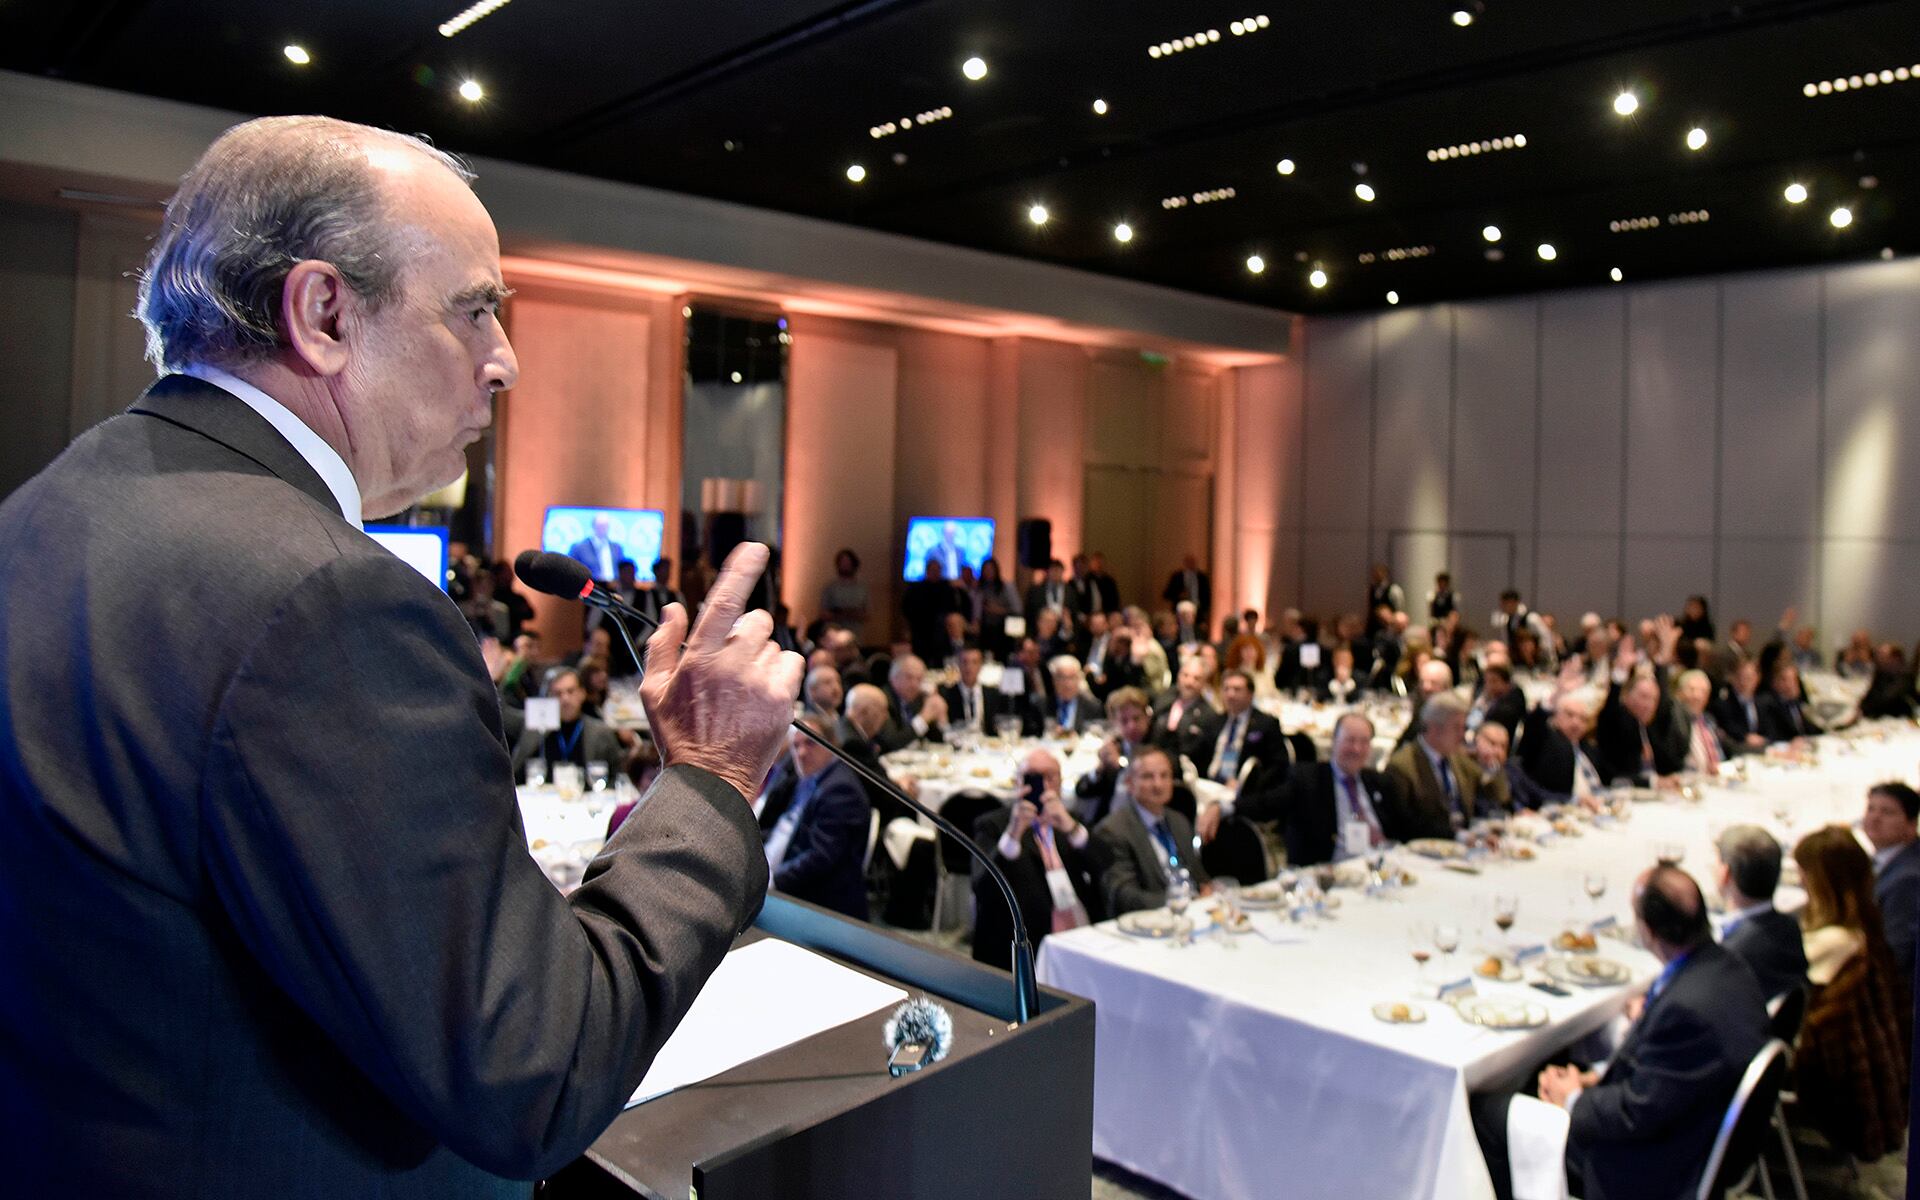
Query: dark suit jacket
x,y
825,862
1783,718
598,743
583,553
926,604
1644,1130
993,705
1897,888
1036,600
1508,711
1548,757
1771,945
1618,733
1176,591
1732,715
1086,710
1263,743
1134,878
269,922
1310,813
992,927
1195,734
898,733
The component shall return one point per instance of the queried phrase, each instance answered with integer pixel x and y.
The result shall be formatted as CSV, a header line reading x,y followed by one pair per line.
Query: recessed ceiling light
x,y
974,68
1840,217
297,54
1038,214
1393,297
1626,104
1317,278
1546,252
1491,233
1364,191
736,377
469,15
1256,264
1099,108
1123,232
1696,138
1284,166
1462,17
856,173
1616,275
471,91
1796,193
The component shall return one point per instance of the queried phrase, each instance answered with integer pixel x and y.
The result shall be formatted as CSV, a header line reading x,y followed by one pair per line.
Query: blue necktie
x,y
1064,707
1160,834
1446,780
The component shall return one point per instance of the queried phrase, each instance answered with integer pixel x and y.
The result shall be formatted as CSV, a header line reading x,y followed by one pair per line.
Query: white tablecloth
x,y
1256,1069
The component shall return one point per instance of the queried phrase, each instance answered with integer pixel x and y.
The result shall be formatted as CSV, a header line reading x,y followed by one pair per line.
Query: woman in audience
x,y
1343,687
993,601
1247,653
1696,623
1526,653
1148,654
1851,1065
1890,690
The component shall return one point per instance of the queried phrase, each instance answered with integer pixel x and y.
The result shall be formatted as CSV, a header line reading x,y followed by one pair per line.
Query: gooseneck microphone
x,y
559,575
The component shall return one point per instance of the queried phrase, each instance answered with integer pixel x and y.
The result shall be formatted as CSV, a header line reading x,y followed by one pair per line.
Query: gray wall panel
x,y
1413,400
1872,400
1770,384
1671,382
1338,423
1495,407
1577,572
1581,364
1662,572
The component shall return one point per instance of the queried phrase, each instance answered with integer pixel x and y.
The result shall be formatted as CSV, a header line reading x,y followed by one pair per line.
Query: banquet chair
x,y
1735,1157
873,839
1785,1013
953,864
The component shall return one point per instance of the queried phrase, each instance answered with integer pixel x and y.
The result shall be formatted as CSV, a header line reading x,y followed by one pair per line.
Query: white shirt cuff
x,y
1009,847
920,726
1572,1098
1079,838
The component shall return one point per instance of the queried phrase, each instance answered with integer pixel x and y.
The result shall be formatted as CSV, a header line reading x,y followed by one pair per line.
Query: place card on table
x,y
1448,989
543,714
1531,953
1603,925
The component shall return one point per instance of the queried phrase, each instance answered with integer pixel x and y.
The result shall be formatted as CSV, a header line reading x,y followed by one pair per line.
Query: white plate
x,y
1496,1012
1262,896
1587,971
1154,923
1436,848
1415,1014
1508,972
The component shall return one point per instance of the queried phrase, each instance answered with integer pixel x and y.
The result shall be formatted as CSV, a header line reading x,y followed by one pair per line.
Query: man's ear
x,y
314,304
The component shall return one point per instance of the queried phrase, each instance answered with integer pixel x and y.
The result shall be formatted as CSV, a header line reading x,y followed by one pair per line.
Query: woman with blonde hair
x,y
1851,1065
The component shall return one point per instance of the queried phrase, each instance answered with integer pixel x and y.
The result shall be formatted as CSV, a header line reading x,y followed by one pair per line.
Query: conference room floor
x,y
1828,1174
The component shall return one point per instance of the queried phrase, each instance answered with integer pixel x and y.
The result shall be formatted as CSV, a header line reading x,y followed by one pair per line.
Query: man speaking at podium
x,y
268,923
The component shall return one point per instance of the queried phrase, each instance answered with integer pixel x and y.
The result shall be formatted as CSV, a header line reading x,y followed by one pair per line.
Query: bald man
x,y
1643,1127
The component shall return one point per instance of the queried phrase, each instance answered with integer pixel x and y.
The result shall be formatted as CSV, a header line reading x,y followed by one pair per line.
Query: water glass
x,y
597,776
536,772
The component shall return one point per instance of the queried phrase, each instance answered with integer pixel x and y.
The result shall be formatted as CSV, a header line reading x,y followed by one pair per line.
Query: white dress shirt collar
x,y
325,461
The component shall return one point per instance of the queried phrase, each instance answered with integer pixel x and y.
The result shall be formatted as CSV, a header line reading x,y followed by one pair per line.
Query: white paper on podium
x,y
762,997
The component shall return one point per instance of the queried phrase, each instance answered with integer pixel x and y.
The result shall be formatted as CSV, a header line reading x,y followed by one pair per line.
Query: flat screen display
x,y
422,547
598,538
956,541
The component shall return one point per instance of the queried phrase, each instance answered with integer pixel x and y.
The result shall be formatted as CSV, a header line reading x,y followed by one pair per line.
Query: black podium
x,y
1008,1112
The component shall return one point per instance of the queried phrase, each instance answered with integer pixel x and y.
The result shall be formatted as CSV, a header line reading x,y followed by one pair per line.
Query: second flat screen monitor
x,y
600,537
955,541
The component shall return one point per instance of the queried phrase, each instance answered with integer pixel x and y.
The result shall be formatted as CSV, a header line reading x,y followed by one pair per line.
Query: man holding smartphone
x,y
1049,857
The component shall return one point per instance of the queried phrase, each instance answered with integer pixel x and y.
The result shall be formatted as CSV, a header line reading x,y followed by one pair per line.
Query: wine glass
x,y
1506,908
1179,894
536,772
1420,945
1596,884
1446,939
597,776
1670,854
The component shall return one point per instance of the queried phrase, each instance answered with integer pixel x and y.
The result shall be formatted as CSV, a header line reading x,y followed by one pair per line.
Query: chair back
x,y
873,838
1785,1013
1736,1148
963,809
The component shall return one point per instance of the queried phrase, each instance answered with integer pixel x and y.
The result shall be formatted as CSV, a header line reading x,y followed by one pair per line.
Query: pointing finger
x,y
728,597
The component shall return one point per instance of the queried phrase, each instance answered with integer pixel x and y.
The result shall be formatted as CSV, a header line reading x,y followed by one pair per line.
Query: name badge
x,y
1356,839
543,714
1061,885
1603,925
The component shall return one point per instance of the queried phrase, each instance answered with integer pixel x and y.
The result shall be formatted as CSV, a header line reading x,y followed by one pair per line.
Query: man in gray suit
x,y
1145,840
1892,824
581,738
269,922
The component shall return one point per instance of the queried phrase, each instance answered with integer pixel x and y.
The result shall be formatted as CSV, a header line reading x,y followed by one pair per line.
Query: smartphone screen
x,y
1033,785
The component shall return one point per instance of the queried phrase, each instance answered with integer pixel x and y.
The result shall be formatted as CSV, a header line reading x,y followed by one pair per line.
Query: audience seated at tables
x,y
1073,707
1156,675
1707,744
1441,783
1084,594
1188,630
1557,754
1783,713
914,714
1525,631
580,740
1323,805
1048,594
1890,686
1491,747
1851,1064
1144,839
1341,685
993,601
970,704
1890,826
1499,701
1640,739
1738,708
1431,678
1093,648
1642,1128
817,850
1132,724
1184,720
1121,670
1856,659
1054,631
1768,941
1036,846
1242,734
1192,585
867,714
823,692
925,603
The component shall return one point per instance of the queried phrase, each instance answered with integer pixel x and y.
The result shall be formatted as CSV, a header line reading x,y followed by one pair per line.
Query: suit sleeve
x,y
359,827
1125,890
1672,1069
838,828
1900,911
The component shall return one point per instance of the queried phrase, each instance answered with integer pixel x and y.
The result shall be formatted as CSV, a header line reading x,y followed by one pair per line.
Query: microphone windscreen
x,y
921,1021
554,574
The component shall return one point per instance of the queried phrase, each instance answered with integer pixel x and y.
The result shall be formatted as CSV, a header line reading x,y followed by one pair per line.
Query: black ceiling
x,y
769,101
